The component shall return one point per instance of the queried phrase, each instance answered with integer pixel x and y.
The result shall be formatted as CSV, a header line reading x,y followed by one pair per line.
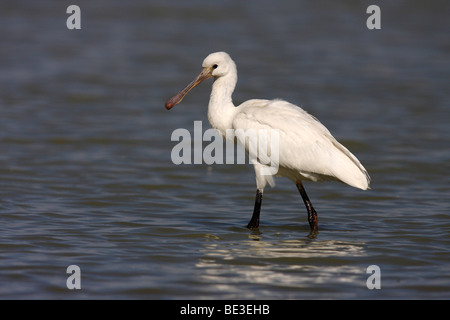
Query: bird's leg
x,y
254,222
312,214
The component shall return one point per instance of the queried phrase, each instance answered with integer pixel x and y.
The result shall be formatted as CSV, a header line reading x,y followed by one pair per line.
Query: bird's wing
x,y
306,147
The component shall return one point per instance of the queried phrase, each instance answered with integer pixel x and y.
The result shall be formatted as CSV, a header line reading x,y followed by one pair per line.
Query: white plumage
x,y
307,150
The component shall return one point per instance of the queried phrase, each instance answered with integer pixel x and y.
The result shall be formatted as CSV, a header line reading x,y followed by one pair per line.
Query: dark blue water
x,y
86,176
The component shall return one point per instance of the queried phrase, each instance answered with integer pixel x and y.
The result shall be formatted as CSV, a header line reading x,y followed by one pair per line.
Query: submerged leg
x,y
312,214
254,222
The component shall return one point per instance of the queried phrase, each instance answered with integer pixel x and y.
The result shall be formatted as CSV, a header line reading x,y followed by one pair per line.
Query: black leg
x,y
254,222
312,214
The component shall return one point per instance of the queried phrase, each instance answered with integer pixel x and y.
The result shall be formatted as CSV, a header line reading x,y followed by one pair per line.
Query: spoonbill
x,y
306,148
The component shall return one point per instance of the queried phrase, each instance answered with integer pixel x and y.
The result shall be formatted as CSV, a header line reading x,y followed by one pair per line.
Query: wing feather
x,y
307,149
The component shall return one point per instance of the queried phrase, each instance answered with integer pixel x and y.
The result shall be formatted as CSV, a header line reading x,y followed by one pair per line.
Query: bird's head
x,y
217,64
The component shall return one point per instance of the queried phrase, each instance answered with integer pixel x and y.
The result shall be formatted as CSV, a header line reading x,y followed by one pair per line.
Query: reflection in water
x,y
287,264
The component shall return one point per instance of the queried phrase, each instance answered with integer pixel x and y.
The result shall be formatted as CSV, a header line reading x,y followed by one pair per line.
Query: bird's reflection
x,y
289,264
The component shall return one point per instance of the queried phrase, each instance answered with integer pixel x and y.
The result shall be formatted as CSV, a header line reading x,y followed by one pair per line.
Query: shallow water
x,y
86,176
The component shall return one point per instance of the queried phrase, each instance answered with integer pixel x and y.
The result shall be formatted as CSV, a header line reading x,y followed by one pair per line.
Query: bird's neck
x,y
221,109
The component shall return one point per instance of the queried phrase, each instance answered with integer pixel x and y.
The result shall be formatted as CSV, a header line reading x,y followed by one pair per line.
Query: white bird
x,y
307,150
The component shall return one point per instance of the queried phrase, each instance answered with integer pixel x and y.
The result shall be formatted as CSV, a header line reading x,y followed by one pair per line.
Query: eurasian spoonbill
x,y
306,148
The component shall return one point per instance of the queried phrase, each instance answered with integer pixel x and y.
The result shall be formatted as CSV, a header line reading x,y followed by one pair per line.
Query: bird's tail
x,y
350,170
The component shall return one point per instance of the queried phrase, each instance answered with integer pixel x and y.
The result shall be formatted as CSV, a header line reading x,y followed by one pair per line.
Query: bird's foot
x,y
253,224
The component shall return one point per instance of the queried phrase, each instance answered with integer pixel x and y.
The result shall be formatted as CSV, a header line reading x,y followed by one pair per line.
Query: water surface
x,y
86,176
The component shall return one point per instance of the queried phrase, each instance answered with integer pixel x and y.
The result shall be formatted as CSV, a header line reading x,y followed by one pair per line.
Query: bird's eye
x,y
215,66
